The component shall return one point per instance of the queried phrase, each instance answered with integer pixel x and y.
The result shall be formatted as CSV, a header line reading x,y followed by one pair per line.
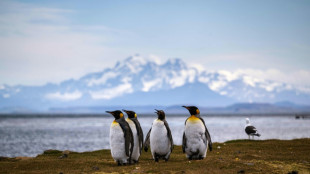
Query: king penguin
x,y
137,134
196,137
121,139
159,138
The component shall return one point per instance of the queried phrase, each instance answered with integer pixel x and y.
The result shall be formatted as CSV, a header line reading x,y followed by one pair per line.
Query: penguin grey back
x,y
133,117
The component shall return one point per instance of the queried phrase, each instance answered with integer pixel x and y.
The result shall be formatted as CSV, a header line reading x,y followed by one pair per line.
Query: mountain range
x,y
137,81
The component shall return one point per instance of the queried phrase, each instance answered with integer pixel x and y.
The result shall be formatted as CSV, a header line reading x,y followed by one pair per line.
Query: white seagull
x,y
250,130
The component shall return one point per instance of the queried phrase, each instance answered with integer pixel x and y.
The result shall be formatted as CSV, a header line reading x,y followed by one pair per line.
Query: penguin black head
x,y
161,114
131,114
117,114
193,110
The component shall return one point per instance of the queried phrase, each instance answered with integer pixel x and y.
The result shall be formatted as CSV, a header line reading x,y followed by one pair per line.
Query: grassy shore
x,y
238,156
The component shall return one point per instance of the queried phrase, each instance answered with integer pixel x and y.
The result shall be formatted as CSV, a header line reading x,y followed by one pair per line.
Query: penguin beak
x,y
110,112
185,107
156,111
124,110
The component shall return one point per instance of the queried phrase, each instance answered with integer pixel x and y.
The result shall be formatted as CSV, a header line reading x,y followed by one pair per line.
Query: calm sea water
x,y
30,136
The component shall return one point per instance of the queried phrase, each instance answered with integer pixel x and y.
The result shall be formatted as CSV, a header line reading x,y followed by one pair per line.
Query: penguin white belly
x,y
136,152
196,139
160,143
117,143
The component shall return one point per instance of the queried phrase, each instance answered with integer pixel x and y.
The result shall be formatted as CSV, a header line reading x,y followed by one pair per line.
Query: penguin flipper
x,y
129,143
147,141
207,134
169,134
209,139
184,142
140,134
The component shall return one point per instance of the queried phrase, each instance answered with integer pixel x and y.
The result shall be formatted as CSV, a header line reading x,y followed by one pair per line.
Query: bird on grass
x,y
159,138
121,139
137,134
250,130
196,137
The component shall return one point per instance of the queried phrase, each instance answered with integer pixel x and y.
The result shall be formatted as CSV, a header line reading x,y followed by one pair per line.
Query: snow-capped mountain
x,y
138,81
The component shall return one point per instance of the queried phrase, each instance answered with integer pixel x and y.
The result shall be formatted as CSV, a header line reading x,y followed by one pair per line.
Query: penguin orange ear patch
x,y
135,115
197,111
121,115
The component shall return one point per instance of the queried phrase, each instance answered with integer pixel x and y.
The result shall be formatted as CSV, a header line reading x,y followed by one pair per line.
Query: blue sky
x,y
41,40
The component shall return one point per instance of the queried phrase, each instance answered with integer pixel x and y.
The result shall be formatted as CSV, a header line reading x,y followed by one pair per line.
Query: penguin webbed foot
x,y
146,148
119,163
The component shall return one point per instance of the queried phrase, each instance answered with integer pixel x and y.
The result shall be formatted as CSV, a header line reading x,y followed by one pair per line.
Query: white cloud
x,y
6,95
110,93
299,79
37,40
223,93
64,96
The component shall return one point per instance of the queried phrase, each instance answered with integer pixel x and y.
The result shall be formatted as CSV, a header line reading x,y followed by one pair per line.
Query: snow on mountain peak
x,y
133,63
138,76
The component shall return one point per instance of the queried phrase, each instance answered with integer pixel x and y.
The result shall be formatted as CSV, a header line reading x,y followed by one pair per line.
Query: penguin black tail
x,y
210,147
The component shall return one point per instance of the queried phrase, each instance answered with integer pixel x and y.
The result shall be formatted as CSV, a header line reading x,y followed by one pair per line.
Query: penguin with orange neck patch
x,y
137,134
121,139
196,137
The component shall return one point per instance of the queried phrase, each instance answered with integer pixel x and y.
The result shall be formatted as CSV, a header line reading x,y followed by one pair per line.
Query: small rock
x,y
63,156
237,159
238,151
218,147
241,171
249,164
95,168
293,172
61,173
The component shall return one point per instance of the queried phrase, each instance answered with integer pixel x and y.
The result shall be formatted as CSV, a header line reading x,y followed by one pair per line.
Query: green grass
x,y
268,156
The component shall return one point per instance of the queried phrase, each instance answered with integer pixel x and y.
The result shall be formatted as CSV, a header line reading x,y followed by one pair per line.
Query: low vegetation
x,y
238,156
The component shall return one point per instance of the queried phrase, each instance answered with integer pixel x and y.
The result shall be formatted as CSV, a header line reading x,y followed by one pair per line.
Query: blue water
x,y
30,136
